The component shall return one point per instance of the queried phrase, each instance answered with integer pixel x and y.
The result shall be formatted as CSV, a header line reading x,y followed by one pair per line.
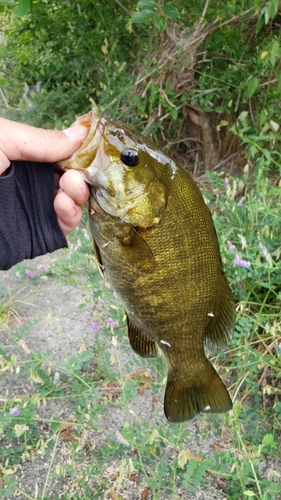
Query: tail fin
x,y
188,395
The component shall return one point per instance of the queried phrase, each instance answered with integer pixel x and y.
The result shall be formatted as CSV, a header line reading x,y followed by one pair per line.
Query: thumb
x,y
24,142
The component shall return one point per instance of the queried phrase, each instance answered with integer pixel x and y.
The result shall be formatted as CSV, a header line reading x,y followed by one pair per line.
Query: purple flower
x,y
230,247
14,411
240,262
211,104
94,327
264,252
226,182
31,274
241,202
101,302
112,323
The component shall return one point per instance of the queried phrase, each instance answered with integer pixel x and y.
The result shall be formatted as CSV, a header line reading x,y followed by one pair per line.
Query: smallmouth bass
x,y
156,244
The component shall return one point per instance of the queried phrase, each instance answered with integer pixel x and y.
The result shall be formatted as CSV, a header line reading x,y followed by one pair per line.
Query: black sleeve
x,y
28,221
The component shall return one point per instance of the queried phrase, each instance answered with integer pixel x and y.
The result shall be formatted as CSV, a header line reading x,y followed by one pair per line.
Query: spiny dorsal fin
x,y
220,329
140,343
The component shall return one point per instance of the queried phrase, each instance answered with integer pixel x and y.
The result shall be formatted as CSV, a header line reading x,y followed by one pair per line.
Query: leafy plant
x,y
159,12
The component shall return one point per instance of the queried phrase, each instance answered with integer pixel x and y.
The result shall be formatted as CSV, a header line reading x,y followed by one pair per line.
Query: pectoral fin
x,y
140,343
219,331
136,251
122,241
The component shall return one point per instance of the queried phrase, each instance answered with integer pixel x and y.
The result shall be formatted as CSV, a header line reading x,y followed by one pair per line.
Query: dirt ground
x,y
48,317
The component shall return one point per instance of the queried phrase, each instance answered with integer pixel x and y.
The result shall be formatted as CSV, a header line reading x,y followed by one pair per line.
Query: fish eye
x,y
130,157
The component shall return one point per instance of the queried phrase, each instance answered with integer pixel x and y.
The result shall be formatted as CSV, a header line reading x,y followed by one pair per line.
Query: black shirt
x,y
28,221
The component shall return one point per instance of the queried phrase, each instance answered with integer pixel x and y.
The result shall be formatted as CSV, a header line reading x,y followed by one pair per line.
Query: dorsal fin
x,y
140,343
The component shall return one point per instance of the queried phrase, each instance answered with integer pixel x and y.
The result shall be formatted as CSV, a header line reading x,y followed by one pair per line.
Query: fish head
x,y
126,172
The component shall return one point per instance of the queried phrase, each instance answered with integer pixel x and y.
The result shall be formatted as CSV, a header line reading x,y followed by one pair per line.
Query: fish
x,y
157,247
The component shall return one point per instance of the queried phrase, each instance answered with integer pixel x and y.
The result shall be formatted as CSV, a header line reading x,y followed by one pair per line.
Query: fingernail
x,y
77,131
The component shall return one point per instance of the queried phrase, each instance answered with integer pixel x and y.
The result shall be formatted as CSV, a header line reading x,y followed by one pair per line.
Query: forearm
x,y
28,222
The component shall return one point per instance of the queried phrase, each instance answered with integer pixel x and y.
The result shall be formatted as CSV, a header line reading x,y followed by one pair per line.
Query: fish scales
x,y
157,246
171,272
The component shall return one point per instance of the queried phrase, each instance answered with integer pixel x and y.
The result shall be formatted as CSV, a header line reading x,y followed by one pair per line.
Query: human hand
x,y
23,142
71,194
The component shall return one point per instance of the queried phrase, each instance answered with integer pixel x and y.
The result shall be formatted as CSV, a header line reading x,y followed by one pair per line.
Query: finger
x,y
73,184
23,142
4,162
68,212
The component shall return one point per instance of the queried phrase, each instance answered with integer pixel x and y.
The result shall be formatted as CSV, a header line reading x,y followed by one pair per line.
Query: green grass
x,y
237,455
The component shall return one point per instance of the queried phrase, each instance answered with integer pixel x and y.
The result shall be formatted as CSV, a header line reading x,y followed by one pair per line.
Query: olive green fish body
x,y
159,251
166,293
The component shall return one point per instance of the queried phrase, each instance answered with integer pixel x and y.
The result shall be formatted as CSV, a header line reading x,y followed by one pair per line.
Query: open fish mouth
x,y
87,158
90,159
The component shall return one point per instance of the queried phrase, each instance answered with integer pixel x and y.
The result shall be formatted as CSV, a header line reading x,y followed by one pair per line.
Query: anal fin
x,y
140,343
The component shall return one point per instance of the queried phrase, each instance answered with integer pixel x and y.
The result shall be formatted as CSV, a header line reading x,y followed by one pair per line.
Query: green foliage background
x,y
74,53
59,57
